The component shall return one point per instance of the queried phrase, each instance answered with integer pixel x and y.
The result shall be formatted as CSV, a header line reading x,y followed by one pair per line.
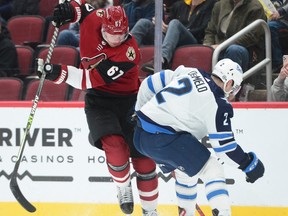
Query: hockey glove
x,y
254,168
53,71
63,13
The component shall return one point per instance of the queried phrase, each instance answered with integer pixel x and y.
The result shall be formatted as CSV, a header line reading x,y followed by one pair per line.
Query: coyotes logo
x,y
90,63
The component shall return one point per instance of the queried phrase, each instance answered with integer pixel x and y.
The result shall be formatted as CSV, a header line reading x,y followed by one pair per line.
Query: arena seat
x,y
50,91
10,89
199,56
147,53
50,32
77,95
67,55
26,29
46,7
25,59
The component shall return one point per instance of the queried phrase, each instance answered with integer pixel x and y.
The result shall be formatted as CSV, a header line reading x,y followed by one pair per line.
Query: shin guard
x,y
147,182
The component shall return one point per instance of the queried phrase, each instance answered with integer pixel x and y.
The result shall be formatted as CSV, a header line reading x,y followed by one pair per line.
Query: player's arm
x,y
73,11
103,73
225,146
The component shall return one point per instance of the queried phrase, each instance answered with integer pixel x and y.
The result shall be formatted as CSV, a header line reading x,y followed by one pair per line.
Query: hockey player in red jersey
x,y
109,74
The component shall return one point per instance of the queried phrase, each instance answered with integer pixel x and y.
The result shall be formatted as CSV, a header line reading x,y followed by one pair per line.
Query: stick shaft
x,y
13,183
201,213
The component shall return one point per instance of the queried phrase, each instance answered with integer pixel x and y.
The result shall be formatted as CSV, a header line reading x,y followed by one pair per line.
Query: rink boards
x,y
63,175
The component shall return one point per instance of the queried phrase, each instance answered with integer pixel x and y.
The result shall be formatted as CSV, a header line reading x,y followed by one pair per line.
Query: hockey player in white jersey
x,y
176,109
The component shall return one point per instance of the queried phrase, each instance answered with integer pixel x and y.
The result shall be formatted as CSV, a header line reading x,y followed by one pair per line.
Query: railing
x,y
256,68
158,35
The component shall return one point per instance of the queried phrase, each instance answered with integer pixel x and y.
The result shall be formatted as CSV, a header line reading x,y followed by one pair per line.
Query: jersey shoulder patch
x,y
131,54
100,12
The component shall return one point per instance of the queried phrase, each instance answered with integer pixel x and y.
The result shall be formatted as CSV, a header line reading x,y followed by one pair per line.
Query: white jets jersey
x,y
188,100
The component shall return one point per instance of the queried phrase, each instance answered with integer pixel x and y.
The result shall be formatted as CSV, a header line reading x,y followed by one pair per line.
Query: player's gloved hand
x,y
133,119
63,13
253,168
131,116
52,71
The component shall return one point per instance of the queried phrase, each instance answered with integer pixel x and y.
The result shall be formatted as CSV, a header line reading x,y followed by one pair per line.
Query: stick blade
x,y
19,196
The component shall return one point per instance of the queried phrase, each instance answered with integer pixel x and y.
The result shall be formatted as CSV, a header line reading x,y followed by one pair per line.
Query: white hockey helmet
x,y
226,70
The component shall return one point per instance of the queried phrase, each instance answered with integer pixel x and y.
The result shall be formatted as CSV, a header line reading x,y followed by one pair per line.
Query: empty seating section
x,y
50,91
26,29
11,89
198,56
25,59
61,55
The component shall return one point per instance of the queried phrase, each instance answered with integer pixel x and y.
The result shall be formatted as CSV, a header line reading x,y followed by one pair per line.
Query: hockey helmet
x,y
115,25
226,70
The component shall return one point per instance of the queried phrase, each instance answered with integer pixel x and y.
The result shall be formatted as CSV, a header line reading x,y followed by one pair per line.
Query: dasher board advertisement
x,y
60,168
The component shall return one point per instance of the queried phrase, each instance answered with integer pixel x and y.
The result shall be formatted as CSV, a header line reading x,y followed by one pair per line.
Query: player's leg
x,y
175,151
213,177
106,132
147,184
147,179
186,193
117,157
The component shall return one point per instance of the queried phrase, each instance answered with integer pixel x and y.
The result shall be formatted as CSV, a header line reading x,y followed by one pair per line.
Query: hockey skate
x,y
215,212
125,198
150,213
223,212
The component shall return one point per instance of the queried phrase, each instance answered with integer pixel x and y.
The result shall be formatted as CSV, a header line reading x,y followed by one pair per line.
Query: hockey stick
x,y
13,183
201,213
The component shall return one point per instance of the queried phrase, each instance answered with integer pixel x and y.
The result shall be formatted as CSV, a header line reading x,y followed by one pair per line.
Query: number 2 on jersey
x,y
185,87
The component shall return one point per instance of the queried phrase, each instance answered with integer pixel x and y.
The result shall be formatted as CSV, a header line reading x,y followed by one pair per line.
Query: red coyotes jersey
x,y
111,69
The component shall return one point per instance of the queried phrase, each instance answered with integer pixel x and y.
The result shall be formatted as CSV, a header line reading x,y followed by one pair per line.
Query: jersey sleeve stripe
x,y
150,84
226,148
88,81
74,77
162,77
221,136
